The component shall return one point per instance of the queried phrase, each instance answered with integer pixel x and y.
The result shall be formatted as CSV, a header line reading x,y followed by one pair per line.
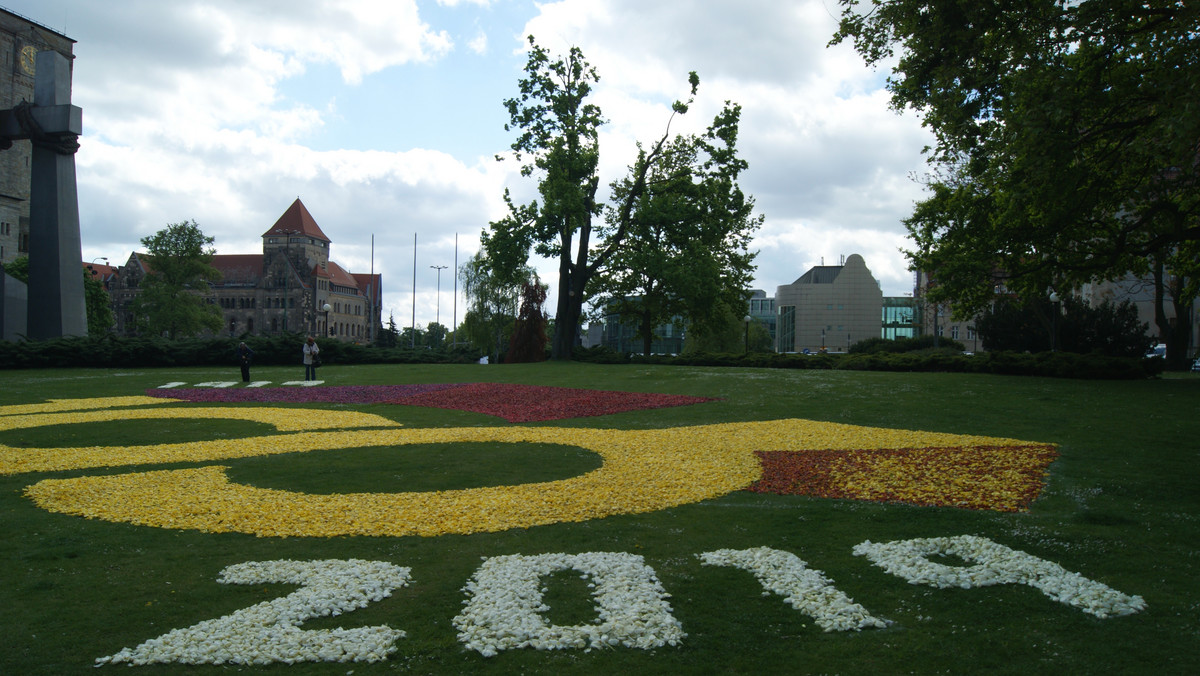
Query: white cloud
x,y
479,43
191,111
826,152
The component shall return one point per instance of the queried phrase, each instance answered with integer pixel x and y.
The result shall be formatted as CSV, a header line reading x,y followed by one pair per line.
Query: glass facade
x,y
899,317
786,329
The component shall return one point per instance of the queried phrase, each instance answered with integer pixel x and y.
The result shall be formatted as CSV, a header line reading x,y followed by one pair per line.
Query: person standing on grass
x,y
245,354
310,359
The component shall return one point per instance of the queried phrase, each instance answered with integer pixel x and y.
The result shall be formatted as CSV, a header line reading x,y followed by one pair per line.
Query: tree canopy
x,y
492,295
559,141
1067,139
174,296
687,238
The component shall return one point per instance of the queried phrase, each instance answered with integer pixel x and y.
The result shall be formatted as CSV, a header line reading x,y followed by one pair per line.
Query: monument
x,y
56,305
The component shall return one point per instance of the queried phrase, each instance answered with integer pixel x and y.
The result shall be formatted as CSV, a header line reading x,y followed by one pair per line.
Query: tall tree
x,y
492,294
1066,140
687,240
99,305
559,138
435,335
388,335
175,296
528,342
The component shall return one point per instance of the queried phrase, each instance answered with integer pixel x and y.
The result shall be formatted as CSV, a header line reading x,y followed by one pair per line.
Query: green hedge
x,y
284,349
1052,364
113,352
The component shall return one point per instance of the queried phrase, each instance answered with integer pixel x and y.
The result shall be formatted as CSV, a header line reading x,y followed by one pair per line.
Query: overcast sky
x,y
385,116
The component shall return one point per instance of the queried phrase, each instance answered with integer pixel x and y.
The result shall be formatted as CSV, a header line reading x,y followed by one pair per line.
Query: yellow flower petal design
x,y
19,460
643,470
55,405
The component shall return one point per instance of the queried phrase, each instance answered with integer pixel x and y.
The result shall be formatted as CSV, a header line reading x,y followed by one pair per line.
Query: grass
x,y
1122,507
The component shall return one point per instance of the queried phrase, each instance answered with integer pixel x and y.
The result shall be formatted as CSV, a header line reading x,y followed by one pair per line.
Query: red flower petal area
x,y
1000,478
514,403
533,403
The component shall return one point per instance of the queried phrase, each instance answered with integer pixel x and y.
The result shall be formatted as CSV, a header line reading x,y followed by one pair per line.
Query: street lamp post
x,y
747,347
438,314
97,258
326,308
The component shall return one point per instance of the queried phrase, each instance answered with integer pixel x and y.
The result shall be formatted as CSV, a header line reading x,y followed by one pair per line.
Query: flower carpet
x,y
514,403
1004,478
506,600
642,470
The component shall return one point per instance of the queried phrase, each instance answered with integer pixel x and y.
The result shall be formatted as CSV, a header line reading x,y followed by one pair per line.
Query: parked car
x,y
1196,366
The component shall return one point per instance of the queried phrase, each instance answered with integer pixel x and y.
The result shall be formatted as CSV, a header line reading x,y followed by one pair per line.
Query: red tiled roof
x,y
297,219
368,283
239,268
100,271
340,277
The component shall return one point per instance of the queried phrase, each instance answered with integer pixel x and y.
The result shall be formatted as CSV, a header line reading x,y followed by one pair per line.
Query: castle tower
x,y
297,237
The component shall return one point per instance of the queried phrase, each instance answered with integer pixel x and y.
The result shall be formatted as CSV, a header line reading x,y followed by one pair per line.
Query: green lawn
x,y
1122,508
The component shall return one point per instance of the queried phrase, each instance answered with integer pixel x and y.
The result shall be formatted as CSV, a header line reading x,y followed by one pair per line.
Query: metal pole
x,y
438,312
454,321
413,335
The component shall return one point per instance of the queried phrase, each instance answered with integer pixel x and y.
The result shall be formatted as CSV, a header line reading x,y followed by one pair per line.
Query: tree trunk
x,y
647,332
1175,331
564,327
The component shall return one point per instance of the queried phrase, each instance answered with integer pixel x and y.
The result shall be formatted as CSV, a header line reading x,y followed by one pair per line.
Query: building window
x,y
954,332
787,329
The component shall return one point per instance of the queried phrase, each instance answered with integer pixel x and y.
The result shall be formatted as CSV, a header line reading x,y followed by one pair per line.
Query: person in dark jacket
x,y
245,354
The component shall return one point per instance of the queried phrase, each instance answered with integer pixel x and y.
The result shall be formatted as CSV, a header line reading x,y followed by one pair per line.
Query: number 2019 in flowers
x,y
505,609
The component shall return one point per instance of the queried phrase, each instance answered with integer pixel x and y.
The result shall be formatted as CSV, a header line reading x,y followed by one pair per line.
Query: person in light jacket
x,y
310,359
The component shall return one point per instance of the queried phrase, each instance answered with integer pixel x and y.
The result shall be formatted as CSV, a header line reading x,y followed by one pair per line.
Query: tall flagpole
x,y
454,322
373,333
413,335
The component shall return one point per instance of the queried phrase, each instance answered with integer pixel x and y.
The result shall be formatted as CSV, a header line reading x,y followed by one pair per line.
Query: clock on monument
x,y
28,59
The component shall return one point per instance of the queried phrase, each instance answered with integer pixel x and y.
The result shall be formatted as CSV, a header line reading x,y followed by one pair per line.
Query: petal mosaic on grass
x,y
334,394
514,403
642,470
314,429
1004,478
534,403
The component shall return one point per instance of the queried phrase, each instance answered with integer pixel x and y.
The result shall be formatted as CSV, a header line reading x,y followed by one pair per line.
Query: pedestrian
x,y
311,359
245,354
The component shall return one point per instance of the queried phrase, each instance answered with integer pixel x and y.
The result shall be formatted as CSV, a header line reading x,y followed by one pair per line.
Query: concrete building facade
x,y
830,306
20,41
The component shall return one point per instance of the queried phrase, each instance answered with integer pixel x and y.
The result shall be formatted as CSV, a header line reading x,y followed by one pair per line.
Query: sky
x,y
385,117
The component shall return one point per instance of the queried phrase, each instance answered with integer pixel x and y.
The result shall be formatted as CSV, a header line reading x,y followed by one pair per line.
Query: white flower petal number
x,y
807,590
505,605
995,564
269,632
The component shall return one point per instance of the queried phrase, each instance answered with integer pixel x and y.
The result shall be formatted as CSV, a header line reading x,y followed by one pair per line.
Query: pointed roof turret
x,y
297,220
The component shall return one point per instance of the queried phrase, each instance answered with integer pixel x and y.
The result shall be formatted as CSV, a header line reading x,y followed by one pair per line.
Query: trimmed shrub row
x,y
1051,364
284,349
114,352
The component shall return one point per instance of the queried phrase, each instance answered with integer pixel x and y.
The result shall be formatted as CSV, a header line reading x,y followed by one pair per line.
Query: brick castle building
x,y
283,289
